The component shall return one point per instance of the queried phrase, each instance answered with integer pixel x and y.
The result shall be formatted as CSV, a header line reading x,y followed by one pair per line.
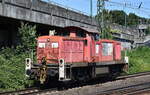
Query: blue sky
x,y
84,6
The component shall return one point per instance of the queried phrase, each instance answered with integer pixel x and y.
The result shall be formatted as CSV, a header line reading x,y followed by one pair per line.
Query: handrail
x,y
66,7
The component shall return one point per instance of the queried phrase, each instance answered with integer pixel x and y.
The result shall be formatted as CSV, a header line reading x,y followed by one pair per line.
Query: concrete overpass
x,y
41,12
144,41
45,15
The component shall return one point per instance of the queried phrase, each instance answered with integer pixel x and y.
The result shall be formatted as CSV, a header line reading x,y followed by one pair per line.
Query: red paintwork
x,y
73,51
118,51
76,49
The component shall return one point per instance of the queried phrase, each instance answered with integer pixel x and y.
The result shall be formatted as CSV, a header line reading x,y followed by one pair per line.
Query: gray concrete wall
x,y
41,12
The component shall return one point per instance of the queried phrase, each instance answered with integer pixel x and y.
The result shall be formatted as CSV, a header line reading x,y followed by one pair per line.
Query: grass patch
x,y
139,60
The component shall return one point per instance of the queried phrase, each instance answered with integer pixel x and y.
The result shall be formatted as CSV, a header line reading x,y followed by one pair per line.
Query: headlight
x,y
54,45
41,45
48,40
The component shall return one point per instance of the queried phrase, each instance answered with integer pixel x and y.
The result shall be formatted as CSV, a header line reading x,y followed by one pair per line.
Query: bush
x,y
12,72
139,60
12,68
106,33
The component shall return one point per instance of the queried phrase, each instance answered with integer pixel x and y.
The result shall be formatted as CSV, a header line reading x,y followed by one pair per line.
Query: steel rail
x,y
145,90
133,75
30,91
19,92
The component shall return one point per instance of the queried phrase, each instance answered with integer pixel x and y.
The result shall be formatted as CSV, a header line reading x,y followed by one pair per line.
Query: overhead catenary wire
x,y
130,5
146,12
143,10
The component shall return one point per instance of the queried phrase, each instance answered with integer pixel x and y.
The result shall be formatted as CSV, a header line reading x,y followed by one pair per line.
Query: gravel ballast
x,y
98,88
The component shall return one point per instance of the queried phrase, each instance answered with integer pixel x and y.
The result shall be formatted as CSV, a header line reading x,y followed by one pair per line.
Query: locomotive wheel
x,y
113,76
81,74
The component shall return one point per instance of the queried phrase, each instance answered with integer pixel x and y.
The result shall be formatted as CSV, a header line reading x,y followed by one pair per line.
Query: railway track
x,y
30,91
128,90
137,89
145,91
133,75
44,92
21,92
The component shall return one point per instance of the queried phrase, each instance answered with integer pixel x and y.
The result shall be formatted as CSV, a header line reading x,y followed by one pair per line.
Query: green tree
x,y
27,35
106,33
133,19
118,17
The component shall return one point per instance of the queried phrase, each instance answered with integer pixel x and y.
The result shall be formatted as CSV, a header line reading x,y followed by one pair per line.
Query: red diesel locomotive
x,y
75,54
